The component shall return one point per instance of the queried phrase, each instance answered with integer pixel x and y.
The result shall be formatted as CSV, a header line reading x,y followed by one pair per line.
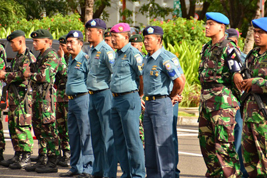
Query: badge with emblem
x,y
150,30
120,28
175,61
76,34
93,23
138,58
168,66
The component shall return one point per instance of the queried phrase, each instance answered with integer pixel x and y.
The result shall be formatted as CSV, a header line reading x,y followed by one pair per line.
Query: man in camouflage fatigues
x,y
20,102
2,137
62,103
218,105
254,137
44,116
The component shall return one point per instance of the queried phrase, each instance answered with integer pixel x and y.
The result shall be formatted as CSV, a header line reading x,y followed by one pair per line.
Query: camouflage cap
x,y
136,38
15,34
41,33
62,39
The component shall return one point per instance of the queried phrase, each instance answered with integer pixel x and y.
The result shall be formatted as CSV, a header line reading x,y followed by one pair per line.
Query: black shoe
x,y
50,167
85,175
1,155
40,163
16,158
68,174
23,162
35,159
64,161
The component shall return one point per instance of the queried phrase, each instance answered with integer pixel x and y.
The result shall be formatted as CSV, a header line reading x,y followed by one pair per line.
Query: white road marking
x,y
187,130
191,154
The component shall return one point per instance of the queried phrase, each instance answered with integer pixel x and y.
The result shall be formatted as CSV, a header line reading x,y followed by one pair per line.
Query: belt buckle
x,y
153,98
91,92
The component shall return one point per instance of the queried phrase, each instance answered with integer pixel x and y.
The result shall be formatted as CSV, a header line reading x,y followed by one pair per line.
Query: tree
x,y
88,14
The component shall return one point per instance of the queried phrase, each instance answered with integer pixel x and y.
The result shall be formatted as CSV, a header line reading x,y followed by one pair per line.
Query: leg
x,y
2,140
175,139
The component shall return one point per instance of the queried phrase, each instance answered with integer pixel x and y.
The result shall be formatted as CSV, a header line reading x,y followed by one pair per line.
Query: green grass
x,y
181,113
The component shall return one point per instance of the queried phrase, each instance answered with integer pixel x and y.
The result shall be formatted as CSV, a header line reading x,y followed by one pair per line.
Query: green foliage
x,y
58,25
192,31
153,10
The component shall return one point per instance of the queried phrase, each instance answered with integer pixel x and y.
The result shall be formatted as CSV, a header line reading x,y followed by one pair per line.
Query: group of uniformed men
x,y
101,95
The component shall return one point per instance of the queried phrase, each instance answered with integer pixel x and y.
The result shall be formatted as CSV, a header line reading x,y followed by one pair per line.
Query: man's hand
x,y
176,99
60,52
247,84
143,104
27,72
2,74
238,79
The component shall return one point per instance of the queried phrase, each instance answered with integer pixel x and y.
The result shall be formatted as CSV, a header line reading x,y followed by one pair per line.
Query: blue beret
x,y
218,17
151,30
75,34
260,23
96,23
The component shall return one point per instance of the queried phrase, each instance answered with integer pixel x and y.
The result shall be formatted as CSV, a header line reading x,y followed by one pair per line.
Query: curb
x,y
182,120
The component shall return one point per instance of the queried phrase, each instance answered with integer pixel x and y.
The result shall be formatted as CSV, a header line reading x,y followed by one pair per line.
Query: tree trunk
x,y
249,43
89,11
204,10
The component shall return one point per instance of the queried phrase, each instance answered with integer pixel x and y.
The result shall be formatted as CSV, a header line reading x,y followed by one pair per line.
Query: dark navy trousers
x,y
175,139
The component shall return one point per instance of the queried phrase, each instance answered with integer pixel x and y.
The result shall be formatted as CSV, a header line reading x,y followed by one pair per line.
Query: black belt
x,y
71,97
94,92
125,93
210,85
149,98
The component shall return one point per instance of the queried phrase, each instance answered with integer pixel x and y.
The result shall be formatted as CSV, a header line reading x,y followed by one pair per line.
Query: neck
x,y
74,55
216,38
43,50
154,50
124,45
95,43
263,49
22,50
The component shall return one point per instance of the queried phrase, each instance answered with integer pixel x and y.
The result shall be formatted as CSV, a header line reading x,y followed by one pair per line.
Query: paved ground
x,y
191,163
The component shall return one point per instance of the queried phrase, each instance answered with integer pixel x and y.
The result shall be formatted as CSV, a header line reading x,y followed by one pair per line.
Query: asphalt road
x,y
191,163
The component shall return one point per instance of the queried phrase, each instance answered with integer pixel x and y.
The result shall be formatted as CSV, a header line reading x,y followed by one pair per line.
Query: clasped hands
x,y
242,84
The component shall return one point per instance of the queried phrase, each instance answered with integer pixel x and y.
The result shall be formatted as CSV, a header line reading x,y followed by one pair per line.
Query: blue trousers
x,y
105,163
238,138
159,147
175,139
82,157
126,110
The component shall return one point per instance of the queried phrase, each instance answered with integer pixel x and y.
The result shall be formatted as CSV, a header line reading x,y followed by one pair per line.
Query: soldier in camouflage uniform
x,y
43,76
20,102
2,137
255,125
62,103
218,104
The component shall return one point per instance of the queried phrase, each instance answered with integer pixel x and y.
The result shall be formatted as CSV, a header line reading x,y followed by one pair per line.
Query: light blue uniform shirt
x,y
126,70
158,73
100,67
175,60
77,74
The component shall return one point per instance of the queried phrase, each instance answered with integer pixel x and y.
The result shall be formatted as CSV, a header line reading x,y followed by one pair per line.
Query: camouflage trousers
x,y
62,125
47,134
2,137
254,148
216,138
20,132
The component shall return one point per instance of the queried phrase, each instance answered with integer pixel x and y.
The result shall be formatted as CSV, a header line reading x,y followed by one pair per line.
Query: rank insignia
x,y
93,23
150,30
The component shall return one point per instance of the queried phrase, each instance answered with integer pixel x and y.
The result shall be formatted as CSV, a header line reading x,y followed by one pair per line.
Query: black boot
x,y
16,158
40,163
50,167
35,159
23,162
1,155
64,161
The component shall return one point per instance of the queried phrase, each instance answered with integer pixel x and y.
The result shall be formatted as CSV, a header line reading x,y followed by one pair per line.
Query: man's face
x,y
108,41
64,47
40,43
137,45
260,37
15,44
93,34
118,40
151,42
74,46
213,28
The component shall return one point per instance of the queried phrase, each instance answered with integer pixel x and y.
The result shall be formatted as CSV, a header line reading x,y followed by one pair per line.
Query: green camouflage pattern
x,y
2,65
217,113
61,80
44,111
20,103
62,125
254,135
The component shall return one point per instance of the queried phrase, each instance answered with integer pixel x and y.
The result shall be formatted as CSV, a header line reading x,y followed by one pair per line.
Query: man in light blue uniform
x,y
126,106
82,158
159,73
101,60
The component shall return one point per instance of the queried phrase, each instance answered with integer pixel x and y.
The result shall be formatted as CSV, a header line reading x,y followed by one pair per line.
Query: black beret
x,y
153,30
75,34
107,34
136,38
232,32
96,23
62,39
41,33
15,34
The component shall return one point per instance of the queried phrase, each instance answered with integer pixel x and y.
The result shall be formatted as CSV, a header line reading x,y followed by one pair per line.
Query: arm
x,y
178,86
141,85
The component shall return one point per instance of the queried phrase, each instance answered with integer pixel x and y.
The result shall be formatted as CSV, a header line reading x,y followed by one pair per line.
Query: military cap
x,y
218,17
232,32
15,34
136,38
41,33
96,23
62,39
260,23
153,30
120,27
75,34
107,34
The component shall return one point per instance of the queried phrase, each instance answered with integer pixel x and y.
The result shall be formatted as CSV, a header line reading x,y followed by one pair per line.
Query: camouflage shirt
x,y
258,66
62,80
2,64
215,69
18,67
